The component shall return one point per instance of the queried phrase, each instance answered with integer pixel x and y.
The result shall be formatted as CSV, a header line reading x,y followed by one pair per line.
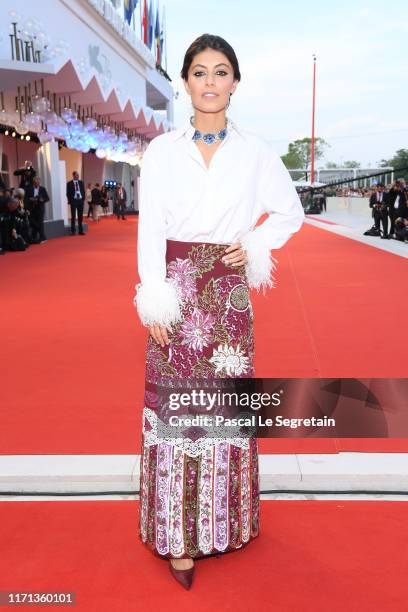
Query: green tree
x,y
299,153
330,165
292,159
400,160
351,164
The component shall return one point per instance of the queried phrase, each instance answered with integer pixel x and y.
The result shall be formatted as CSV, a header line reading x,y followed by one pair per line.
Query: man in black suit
x,y
378,202
120,199
397,204
36,197
76,197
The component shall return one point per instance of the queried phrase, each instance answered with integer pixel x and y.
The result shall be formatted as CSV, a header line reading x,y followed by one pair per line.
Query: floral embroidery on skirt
x,y
199,496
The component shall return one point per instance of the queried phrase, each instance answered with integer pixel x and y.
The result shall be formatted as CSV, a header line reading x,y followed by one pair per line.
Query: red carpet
x,y
73,348
317,218
92,549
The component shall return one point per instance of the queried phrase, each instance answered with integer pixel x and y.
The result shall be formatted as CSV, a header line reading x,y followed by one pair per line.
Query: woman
x,y
104,200
88,197
203,188
96,199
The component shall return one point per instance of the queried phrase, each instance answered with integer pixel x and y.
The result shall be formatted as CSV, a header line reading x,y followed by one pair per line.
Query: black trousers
x,y
23,228
77,209
393,214
401,233
3,233
120,208
381,216
37,221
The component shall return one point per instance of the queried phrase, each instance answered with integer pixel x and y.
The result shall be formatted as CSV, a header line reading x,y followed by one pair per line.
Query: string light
x,y
13,134
27,137
6,133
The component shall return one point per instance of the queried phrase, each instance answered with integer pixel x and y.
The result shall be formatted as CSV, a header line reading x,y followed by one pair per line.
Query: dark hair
x,y
210,41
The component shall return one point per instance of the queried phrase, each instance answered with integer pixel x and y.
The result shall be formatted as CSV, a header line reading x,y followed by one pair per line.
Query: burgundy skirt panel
x,y
201,499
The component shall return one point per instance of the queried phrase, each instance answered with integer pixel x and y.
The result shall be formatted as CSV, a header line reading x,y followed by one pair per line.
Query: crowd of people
x,y
22,211
390,211
389,205
97,198
353,192
22,208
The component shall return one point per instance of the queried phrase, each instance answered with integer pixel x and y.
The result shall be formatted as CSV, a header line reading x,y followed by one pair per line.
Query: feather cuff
x,y
261,264
157,302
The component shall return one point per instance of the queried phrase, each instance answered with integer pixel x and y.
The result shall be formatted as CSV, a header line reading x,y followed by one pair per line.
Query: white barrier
x,y
352,206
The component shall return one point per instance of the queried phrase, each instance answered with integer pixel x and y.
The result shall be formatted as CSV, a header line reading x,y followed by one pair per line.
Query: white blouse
x,y
182,199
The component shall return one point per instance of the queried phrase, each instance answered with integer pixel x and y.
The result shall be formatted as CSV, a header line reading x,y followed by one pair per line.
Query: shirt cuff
x,y
261,264
157,302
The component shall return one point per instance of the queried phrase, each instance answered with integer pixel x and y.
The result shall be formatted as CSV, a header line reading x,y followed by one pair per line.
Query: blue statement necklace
x,y
209,137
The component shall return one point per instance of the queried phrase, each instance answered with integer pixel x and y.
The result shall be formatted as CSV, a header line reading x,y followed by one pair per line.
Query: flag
x,y
150,21
128,7
157,36
144,22
162,33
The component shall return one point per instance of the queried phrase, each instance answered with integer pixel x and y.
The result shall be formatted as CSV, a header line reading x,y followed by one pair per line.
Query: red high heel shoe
x,y
184,577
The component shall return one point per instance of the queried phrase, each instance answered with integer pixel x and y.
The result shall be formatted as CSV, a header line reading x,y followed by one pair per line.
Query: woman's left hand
x,y
236,255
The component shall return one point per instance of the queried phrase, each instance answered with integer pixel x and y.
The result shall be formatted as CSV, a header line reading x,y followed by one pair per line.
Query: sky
x,y
361,70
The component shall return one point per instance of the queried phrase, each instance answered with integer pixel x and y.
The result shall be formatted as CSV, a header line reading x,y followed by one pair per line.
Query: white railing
x,y
113,18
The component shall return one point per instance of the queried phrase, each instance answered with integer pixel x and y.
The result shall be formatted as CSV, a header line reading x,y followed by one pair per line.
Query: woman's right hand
x,y
159,334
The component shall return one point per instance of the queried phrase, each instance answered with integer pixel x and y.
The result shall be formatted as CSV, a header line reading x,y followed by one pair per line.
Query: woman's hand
x,y
236,255
159,334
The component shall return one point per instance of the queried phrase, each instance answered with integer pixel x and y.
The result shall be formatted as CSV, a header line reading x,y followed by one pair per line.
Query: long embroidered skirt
x,y
199,496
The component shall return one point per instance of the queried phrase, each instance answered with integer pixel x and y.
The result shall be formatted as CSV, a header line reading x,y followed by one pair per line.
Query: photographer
x,y
22,215
378,203
397,204
27,175
401,229
36,197
13,227
4,199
